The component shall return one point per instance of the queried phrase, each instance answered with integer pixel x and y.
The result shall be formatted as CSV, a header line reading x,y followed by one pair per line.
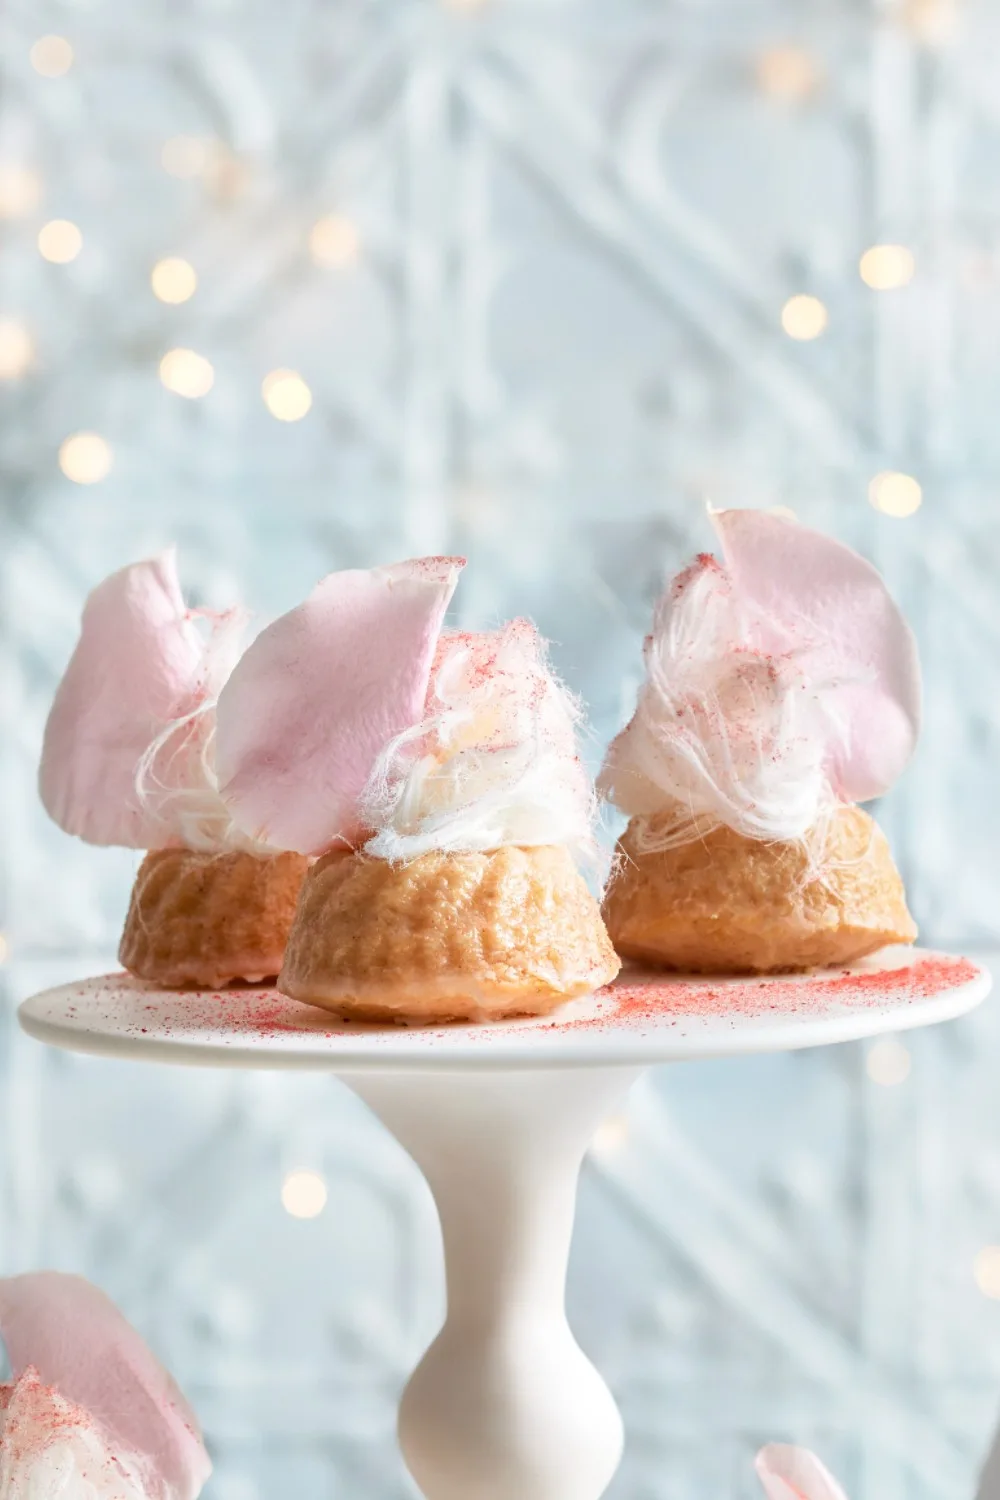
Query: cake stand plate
x,y
504,1405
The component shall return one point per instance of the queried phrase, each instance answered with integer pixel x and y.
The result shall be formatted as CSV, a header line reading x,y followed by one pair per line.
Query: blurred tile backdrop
x,y
548,275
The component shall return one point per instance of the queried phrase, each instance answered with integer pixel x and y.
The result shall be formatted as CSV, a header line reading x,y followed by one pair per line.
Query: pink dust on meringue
x,y
47,1440
49,1416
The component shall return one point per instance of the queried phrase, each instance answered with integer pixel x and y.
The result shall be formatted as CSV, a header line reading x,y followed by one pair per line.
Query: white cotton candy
x,y
494,762
52,1450
175,779
725,732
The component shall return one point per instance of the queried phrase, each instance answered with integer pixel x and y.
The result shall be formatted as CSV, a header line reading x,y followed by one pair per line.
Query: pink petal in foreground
x,y
319,695
790,1473
827,601
139,665
80,1344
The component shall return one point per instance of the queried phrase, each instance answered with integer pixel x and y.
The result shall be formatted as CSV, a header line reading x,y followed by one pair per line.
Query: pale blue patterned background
x,y
578,222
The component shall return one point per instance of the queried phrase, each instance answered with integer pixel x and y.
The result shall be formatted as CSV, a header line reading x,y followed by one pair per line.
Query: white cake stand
x,y
504,1405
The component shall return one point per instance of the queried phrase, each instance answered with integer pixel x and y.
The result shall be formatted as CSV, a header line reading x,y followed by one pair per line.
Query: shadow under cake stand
x,y
504,1405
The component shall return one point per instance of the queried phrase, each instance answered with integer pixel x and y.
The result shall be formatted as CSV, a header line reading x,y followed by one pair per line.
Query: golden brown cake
x,y
724,903
207,919
446,937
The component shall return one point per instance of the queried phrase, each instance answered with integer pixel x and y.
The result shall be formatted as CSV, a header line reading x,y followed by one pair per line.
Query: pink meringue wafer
x,y
83,1375
812,595
142,668
320,692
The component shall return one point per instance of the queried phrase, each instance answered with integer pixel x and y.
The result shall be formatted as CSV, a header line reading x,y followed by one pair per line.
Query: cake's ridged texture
x,y
447,936
207,919
728,904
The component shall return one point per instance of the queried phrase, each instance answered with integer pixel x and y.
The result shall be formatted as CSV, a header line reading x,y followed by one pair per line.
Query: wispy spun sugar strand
x,y
725,733
176,784
494,761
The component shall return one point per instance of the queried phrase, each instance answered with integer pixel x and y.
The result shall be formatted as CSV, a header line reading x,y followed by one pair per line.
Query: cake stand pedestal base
x,y
504,1405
